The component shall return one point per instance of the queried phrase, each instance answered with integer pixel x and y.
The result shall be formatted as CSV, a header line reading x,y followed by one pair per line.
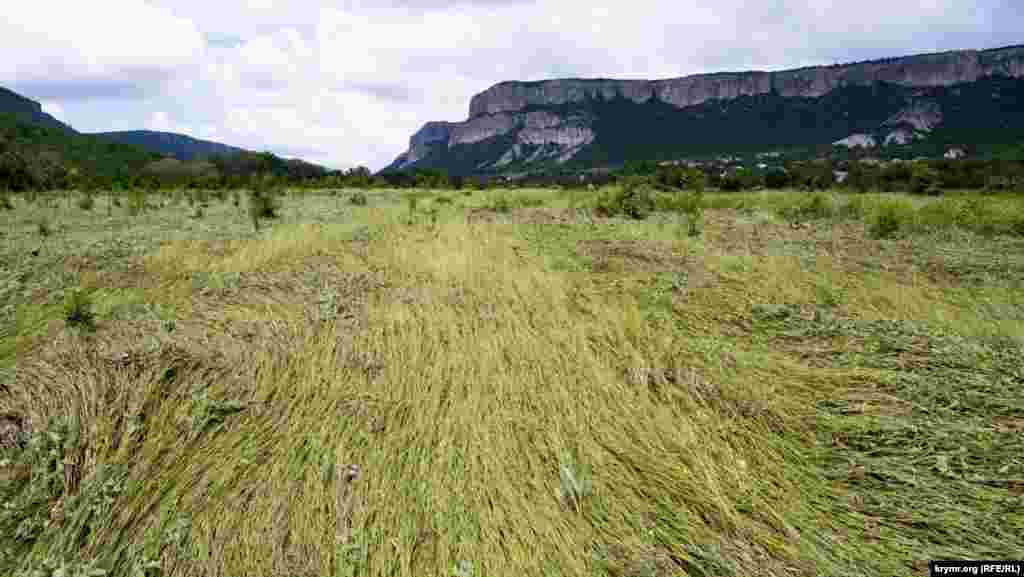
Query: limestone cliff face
x,y
944,69
521,113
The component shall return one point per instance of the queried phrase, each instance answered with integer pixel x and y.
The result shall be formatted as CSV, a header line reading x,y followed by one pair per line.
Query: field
x,y
504,382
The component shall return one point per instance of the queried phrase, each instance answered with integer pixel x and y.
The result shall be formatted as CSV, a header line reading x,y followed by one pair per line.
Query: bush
x,y
78,310
634,198
86,202
925,180
43,227
358,198
262,204
776,179
502,205
890,218
5,201
813,206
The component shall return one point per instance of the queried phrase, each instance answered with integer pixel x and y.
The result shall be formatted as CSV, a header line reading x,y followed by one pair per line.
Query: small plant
x,y
358,198
198,213
137,201
78,310
412,201
86,201
575,483
43,227
828,294
209,415
262,205
328,305
5,201
502,205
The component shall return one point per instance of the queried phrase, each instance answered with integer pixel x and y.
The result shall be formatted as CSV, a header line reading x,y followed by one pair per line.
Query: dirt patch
x,y
481,215
545,216
632,255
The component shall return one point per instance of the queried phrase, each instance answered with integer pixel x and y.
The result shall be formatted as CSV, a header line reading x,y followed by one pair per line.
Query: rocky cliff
x,y
552,120
927,70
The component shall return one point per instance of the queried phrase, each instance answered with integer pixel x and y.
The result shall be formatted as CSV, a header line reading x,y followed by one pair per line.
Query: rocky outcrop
x,y
421,143
856,140
920,115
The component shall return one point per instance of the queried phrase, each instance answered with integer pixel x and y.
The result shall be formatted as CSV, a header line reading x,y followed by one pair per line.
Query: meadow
x,y
499,382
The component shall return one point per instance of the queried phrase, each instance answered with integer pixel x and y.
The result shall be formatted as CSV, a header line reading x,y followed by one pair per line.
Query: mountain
x,y
962,97
170,144
38,151
27,110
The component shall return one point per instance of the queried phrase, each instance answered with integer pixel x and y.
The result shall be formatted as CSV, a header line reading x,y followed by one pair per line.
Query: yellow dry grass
x,y
467,380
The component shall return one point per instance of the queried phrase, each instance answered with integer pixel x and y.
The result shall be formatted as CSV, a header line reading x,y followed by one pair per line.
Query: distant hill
x,y
27,110
170,144
43,155
39,151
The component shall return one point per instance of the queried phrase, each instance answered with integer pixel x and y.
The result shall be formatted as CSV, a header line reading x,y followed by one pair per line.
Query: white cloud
x,y
350,81
115,42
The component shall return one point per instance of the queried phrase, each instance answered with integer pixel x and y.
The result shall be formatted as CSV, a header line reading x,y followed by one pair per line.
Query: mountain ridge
x,y
180,146
557,120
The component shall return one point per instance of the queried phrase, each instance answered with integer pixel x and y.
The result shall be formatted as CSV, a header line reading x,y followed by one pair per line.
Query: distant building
x,y
840,176
954,154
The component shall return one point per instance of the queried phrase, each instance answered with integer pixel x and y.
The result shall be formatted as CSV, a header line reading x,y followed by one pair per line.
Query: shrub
x,y
812,206
925,180
78,310
43,227
634,198
502,205
776,179
86,202
262,204
5,201
358,198
889,218
137,201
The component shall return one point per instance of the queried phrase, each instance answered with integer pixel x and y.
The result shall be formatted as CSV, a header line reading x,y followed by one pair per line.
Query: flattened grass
x,y
365,390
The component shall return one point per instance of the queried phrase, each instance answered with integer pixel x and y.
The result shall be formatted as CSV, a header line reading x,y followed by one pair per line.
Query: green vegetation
x,y
537,381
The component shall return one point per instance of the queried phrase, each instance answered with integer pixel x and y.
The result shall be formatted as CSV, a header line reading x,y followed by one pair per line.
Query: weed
x,y
575,482
828,294
263,204
78,310
890,218
358,198
43,227
328,305
137,201
5,201
209,415
501,204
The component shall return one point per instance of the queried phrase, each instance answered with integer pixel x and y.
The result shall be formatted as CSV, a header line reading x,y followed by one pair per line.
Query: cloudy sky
x,y
346,83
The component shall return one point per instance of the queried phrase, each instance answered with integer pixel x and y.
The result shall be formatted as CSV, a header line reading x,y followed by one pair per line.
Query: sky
x,y
346,83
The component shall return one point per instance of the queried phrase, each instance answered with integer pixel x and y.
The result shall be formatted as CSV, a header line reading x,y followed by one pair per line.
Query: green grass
x,y
507,382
